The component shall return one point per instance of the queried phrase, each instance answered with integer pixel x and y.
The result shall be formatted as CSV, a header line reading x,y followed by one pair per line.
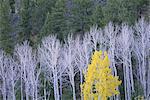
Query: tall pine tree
x,y
119,11
82,11
98,16
6,41
25,24
39,15
56,20
39,11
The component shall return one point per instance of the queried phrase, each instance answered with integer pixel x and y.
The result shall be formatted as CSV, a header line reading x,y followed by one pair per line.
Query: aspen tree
x,y
99,81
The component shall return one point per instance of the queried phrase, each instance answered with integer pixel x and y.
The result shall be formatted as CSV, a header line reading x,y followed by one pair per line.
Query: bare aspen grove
x,y
55,69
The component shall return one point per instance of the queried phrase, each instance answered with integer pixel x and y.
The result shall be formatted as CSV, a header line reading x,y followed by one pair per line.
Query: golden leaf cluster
x,y
99,82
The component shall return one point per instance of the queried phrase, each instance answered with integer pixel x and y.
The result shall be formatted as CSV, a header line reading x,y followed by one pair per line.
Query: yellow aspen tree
x,y
99,82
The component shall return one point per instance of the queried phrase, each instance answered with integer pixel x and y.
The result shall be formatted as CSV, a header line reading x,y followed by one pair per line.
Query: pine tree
x,y
119,11
25,24
82,11
46,29
98,16
56,20
35,19
6,41
39,11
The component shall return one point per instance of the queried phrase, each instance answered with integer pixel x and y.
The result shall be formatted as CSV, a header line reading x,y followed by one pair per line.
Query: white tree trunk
x,y
27,95
56,89
4,89
45,89
73,89
81,82
36,91
21,88
60,88
13,91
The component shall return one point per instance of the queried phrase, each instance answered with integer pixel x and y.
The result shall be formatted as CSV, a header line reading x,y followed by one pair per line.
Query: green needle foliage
x,y
98,16
119,11
25,26
82,12
6,42
56,20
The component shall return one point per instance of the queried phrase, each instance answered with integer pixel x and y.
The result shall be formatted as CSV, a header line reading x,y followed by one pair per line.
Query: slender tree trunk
x,y
140,71
127,79
27,96
45,89
112,56
13,91
131,73
36,92
81,77
26,91
128,82
144,69
125,86
4,89
60,88
73,88
81,81
33,92
12,84
56,89
148,81
21,87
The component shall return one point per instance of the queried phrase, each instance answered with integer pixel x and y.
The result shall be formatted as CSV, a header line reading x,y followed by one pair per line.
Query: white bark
x,y
59,62
3,74
111,33
29,71
50,56
126,42
13,77
9,76
143,32
69,62
83,52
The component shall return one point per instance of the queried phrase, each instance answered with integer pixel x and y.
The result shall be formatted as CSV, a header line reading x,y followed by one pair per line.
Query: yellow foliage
x,y
99,81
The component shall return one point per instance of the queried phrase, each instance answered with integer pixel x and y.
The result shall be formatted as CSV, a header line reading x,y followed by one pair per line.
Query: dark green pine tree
x,y
98,16
25,24
6,42
39,11
46,29
55,22
119,11
39,18
82,13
